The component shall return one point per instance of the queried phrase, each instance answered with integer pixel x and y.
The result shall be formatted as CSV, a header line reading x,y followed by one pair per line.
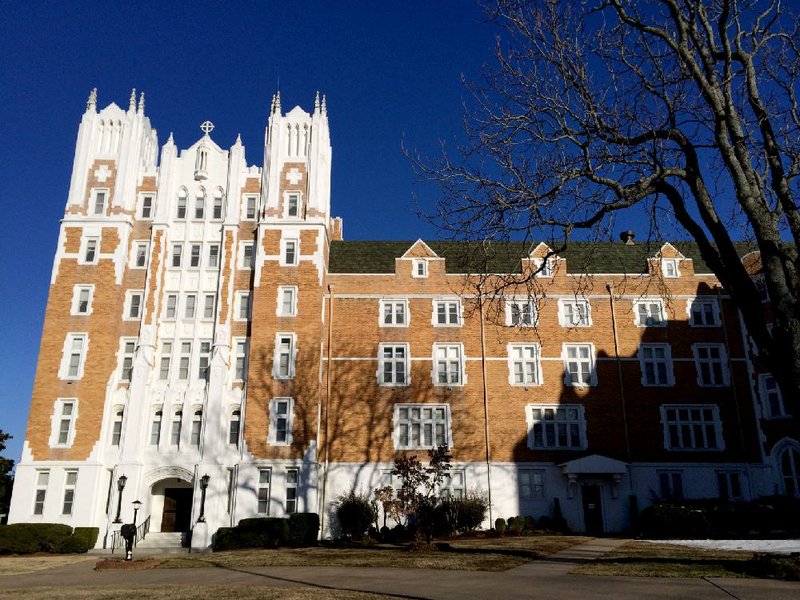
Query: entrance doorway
x,y
592,509
177,512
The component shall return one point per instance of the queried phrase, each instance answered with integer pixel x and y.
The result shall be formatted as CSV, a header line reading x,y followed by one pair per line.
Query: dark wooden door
x,y
592,509
177,509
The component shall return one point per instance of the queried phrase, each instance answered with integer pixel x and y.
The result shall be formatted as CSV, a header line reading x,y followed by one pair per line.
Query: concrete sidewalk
x,y
543,579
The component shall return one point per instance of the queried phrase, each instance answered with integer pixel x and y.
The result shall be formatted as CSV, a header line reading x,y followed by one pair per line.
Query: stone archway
x,y
170,499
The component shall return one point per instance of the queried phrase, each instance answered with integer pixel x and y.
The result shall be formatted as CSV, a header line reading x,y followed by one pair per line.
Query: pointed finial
x,y
238,139
141,102
277,102
324,105
170,140
316,102
91,103
272,104
132,103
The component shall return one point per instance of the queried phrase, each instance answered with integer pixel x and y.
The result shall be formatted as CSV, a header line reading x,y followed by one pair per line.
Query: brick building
x,y
205,317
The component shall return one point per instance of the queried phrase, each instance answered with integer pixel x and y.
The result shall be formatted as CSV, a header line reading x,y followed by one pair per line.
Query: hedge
x,y
27,538
300,529
303,529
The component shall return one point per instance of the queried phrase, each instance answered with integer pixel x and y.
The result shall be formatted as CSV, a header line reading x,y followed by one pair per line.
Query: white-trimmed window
x,y
691,427
287,301
649,313
99,199
656,363
669,268
292,480
703,312
177,425
180,212
90,250
177,255
199,208
448,364
711,363
421,426
190,306
133,305
171,307
70,482
139,255
42,481
453,485
394,313
216,208
771,398
419,268
523,364
446,313
670,485
128,353
574,313
197,426
116,426
209,300
393,362
74,356
146,203
250,207
281,415
290,252
242,306
82,296
263,490
213,256
520,313
194,255
204,361
155,427
556,426
284,358
531,484
185,360
234,426
246,250
730,485
579,369
62,430
240,358
545,267
166,359
293,204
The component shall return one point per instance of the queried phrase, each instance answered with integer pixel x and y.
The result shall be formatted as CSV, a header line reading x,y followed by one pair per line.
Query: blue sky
x,y
391,72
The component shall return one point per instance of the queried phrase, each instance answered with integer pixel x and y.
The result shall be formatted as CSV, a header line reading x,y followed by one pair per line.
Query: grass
x,y
188,592
20,565
645,559
478,554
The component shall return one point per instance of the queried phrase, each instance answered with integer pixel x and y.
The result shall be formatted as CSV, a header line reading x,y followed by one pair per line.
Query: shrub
x,y
303,529
546,523
500,525
674,521
233,538
356,514
515,525
530,525
263,532
465,515
82,540
26,538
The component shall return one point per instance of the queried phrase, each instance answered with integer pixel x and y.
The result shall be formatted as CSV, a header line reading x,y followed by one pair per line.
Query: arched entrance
x,y
786,458
171,494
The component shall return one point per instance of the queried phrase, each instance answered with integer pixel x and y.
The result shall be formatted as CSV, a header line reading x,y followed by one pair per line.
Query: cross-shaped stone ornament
x,y
293,176
102,173
207,127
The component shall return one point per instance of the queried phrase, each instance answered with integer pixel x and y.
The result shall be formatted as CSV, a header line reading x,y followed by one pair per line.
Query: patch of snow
x,y
773,546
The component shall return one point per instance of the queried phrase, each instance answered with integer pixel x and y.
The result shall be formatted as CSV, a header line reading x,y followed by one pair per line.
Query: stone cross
x,y
207,127
102,173
293,176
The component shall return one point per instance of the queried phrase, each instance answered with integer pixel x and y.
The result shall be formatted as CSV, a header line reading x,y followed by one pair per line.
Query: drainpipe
x,y
486,410
327,409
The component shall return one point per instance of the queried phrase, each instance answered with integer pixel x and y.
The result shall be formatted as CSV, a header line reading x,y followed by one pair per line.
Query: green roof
x,y
504,257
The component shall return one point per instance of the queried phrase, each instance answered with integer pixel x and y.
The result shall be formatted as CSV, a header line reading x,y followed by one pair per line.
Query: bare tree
x,y
685,108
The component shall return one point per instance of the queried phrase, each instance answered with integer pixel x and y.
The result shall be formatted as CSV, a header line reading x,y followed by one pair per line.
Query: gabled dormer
x,y
544,262
420,261
670,263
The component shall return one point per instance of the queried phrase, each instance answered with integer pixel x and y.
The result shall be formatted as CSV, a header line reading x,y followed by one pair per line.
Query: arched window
x,y
155,428
181,212
199,206
197,422
790,471
234,428
175,435
116,427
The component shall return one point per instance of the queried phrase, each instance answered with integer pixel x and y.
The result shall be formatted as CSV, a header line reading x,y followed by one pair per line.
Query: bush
x,y
661,521
233,538
258,532
82,540
465,515
500,525
515,525
26,538
546,523
356,514
303,529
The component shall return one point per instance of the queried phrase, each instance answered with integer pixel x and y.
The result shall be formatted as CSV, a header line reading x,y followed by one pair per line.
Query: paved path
x,y
543,579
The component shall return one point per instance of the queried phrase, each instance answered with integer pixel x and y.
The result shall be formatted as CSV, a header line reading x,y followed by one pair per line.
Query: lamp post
x,y
120,486
136,506
203,485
